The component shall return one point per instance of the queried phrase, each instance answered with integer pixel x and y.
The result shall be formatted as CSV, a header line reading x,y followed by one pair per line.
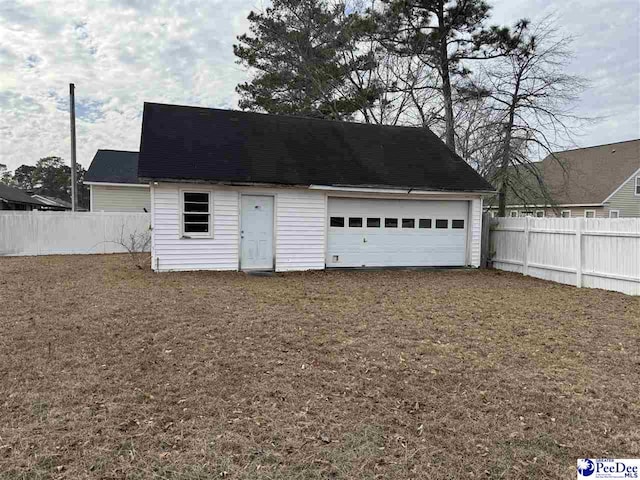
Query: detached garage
x,y
245,191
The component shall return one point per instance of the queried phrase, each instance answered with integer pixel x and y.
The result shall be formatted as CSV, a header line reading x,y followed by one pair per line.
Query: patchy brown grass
x,y
107,371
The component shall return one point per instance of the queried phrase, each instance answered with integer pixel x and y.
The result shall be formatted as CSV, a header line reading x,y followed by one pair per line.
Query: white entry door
x,y
256,232
396,233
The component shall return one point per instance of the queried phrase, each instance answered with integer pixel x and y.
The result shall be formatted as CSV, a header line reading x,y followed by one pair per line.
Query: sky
x,y
122,53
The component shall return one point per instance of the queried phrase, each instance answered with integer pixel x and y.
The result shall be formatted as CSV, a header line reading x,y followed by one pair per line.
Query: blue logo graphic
x,y
585,467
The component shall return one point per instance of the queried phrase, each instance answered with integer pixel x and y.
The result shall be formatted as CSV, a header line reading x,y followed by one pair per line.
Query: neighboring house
x,y
600,181
51,203
235,190
113,181
15,199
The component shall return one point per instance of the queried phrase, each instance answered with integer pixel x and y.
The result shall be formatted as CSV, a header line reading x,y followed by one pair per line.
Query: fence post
x,y
104,232
525,262
579,252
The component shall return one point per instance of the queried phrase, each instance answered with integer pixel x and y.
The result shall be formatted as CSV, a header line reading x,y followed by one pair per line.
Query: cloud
x,y
121,53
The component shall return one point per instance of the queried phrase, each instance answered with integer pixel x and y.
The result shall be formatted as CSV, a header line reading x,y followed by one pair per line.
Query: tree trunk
x,y
506,156
450,138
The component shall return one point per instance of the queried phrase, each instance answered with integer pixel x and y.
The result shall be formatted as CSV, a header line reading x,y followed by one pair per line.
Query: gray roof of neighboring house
x,y
113,166
52,201
590,175
15,195
583,176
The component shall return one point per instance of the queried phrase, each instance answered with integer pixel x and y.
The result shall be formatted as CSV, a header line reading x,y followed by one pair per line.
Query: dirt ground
x,y
107,371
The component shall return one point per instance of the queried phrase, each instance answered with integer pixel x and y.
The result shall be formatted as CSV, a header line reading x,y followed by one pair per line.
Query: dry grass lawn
x,y
111,372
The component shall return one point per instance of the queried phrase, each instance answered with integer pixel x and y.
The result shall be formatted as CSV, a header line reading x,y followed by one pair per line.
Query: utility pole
x,y
72,111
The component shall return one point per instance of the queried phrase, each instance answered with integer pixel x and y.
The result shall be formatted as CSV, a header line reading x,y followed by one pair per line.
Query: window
x,y
336,222
408,223
373,222
614,213
440,223
526,213
565,213
457,223
589,214
390,223
424,223
196,214
540,213
355,221
637,190
513,213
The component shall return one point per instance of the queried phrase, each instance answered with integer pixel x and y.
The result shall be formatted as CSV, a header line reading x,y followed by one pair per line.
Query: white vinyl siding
x,y
120,199
300,217
475,232
172,252
301,224
300,230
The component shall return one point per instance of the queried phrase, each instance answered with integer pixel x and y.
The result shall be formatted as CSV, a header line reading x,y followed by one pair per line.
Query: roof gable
x,y
113,166
191,143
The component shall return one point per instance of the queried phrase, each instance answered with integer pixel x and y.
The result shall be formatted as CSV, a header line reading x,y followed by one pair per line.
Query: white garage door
x,y
396,233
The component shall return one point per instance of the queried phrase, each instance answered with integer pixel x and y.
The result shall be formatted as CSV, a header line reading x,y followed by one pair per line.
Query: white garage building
x,y
244,191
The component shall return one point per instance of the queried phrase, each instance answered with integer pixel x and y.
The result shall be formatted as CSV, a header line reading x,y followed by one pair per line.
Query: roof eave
x,y
364,187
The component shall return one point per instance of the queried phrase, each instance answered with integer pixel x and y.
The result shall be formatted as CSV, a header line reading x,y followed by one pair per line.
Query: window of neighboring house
x,y
540,213
614,213
526,213
589,214
373,222
513,213
336,222
390,223
355,222
637,191
196,214
565,213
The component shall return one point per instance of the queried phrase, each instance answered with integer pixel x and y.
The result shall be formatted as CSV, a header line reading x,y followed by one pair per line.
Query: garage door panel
x,y
380,246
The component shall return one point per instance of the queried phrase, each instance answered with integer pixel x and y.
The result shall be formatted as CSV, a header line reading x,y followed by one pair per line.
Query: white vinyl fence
x,y
585,252
55,233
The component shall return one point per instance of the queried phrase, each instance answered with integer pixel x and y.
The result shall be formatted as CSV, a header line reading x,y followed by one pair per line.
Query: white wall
x,y
300,227
299,218
110,198
55,233
596,253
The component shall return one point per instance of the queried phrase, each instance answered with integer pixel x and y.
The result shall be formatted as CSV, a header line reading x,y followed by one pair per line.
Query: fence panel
x,y
595,253
61,233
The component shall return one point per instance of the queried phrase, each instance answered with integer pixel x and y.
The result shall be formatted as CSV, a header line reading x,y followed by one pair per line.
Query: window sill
x,y
195,237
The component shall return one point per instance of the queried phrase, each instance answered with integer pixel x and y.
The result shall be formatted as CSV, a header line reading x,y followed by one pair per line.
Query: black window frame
x,y
455,221
356,226
376,219
390,219
439,222
407,220
427,221
193,210
336,218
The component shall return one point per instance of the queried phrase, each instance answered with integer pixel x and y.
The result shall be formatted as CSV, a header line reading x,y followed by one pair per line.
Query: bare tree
x,y
137,244
532,99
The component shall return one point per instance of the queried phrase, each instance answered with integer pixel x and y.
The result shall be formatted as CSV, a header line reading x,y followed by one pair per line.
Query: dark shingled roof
x,y
113,166
15,195
191,143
